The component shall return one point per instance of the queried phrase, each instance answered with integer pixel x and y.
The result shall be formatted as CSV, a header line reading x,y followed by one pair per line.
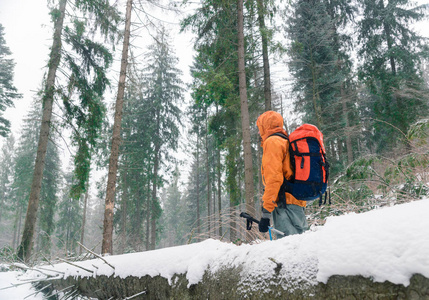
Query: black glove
x,y
263,224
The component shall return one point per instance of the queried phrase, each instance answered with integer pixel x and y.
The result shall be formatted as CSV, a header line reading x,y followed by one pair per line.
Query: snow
x,y
385,244
19,292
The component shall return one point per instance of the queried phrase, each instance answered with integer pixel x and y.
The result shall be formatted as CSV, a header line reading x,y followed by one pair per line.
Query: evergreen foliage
x,y
392,54
150,136
20,181
7,161
68,227
8,92
215,83
321,69
88,62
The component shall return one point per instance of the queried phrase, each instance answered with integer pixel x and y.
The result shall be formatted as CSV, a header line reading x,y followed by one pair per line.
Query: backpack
x,y
309,163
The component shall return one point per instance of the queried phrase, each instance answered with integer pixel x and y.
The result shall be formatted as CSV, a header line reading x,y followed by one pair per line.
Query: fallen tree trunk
x,y
313,265
227,284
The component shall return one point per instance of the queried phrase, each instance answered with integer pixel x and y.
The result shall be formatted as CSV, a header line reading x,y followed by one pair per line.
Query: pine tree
x,y
8,92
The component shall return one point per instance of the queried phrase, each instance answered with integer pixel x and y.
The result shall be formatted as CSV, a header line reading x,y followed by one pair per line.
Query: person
x,y
288,212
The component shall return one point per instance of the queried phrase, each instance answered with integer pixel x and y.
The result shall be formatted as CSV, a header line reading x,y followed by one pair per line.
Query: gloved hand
x,y
263,224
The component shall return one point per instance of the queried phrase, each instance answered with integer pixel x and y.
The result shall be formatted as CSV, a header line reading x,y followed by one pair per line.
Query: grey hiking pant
x,y
290,219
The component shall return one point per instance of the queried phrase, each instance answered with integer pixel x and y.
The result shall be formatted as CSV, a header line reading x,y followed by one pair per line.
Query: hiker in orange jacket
x,y
287,211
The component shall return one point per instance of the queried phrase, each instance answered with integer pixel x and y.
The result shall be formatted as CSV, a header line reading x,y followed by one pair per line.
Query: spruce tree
x,y
86,82
174,212
164,91
8,92
391,53
322,73
150,135
25,153
7,161
69,223
215,81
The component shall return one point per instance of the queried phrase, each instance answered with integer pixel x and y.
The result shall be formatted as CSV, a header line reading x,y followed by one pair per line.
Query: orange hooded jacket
x,y
275,160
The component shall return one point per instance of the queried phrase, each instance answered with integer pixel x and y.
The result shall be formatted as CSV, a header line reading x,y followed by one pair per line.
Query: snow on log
x,y
381,253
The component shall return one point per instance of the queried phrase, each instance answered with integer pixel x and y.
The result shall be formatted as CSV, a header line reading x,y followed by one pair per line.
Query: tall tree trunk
x,y
245,123
154,196
124,215
232,188
198,183
389,46
315,95
148,216
17,228
219,184
346,119
85,205
107,244
24,250
265,60
138,225
208,178
155,180
219,192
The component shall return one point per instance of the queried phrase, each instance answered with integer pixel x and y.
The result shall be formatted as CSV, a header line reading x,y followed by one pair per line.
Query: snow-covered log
x,y
224,285
378,254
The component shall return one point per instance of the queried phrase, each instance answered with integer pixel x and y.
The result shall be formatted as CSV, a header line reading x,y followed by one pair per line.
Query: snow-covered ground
x,y
385,244
20,291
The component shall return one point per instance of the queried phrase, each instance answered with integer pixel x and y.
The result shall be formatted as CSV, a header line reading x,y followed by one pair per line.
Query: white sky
x,y
28,35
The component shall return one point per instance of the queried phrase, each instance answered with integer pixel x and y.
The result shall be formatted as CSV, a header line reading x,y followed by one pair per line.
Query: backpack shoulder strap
x,y
280,135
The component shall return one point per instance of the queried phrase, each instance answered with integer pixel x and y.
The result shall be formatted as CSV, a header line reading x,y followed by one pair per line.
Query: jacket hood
x,y
270,122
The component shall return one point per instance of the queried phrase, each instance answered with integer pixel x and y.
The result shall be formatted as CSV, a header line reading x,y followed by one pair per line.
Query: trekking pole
x,y
250,221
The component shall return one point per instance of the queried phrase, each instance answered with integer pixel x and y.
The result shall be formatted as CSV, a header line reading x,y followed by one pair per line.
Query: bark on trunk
x,y
155,181
85,205
24,250
248,165
148,216
348,131
154,195
265,60
107,244
17,228
219,184
227,283
124,215
208,179
316,97
198,184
